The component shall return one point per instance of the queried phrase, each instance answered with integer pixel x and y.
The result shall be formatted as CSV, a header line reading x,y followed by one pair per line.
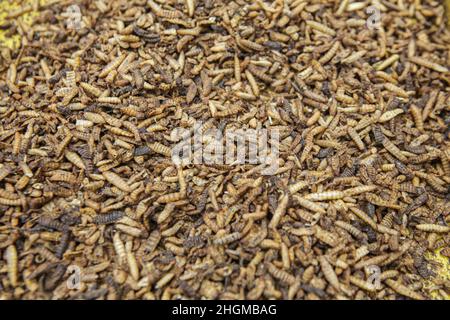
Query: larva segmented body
x,y
280,274
12,265
403,290
108,218
116,180
228,238
325,196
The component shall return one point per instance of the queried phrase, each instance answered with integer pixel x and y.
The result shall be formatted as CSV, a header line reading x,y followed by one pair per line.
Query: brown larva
x,y
108,218
116,180
329,238
394,150
428,64
119,248
325,196
228,238
280,274
309,204
417,116
320,27
396,90
171,197
329,272
161,149
90,89
351,229
112,65
330,53
403,290
75,159
10,255
363,284
363,216
433,228
247,44
280,211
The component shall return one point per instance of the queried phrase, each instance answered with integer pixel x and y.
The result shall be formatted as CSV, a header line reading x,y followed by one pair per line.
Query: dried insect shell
x,y
433,228
329,273
117,181
325,196
75,159
403,290
119,248
10,256
280,274
309,204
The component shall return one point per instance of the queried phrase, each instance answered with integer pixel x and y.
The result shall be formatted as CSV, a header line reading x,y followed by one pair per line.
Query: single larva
x,y
394,150
309,204
11,202
376,200
330,53
116,180
320,27
433,228
10,255
112,65
351,229
161,149
428,64
132,262
356,138
325,196
90,89
329,238
63,244
108,218
280,274
119,248
247,44
280,211
253,84
329,272
359,190
396,90
403,290
256,72
109,100
8,195
445,159
227,238
152,241
48,222
435,183
417,116
171,197
389,115
75,159
363,284
190,5
164,280
363,216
